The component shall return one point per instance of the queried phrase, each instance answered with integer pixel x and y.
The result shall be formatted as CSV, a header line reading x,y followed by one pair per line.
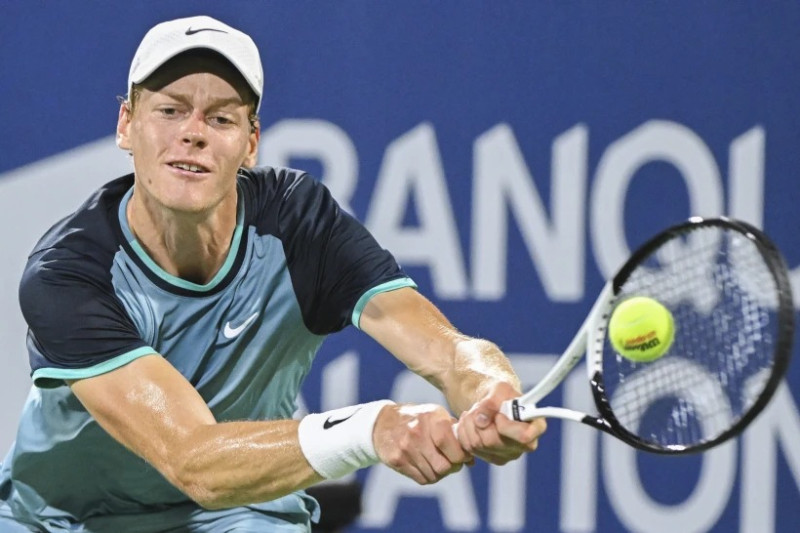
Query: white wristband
x,y
339,442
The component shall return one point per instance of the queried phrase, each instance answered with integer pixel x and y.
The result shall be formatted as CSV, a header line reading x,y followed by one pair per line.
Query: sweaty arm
x,y
149,407
473,374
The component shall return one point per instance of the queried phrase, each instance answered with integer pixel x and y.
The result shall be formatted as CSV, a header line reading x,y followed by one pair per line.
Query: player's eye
x,y
168,111
220,120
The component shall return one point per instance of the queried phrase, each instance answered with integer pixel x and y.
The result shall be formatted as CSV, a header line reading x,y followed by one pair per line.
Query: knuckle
x,y
468,447
395,459
462,455
406,442
529,435
442,467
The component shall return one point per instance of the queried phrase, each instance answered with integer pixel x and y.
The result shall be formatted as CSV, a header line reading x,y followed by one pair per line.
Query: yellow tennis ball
x,y
641,329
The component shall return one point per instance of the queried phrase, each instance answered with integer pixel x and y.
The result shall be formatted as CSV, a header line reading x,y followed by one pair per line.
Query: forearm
x,y
237,463
418,334
474,374
153,411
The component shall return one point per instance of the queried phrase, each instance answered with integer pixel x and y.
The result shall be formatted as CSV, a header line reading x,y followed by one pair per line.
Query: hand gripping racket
x,y
728,289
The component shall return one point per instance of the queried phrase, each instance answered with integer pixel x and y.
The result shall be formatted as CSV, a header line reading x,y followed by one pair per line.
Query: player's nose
x,y
194,130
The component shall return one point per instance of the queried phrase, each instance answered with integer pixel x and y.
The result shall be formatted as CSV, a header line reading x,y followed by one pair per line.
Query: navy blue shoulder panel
x,y
332,258
74,318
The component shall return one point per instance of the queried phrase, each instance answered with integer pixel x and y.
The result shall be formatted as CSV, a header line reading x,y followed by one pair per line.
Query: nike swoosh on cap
x,y
190,31
231,332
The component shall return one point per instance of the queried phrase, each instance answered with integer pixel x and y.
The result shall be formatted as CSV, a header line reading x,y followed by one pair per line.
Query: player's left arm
x,y
473,374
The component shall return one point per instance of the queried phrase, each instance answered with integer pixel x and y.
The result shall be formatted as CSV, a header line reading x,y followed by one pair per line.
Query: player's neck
x,y
192,247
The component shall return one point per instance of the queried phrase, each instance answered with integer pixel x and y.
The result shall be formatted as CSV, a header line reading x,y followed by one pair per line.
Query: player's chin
x,y
191,202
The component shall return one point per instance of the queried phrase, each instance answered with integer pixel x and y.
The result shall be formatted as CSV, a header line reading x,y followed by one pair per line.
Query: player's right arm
x,y
150,408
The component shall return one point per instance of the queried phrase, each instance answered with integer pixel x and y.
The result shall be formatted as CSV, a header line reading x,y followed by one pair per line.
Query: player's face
x,y
189,133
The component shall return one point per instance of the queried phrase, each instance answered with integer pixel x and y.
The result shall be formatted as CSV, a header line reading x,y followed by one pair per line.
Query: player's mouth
x,y
192,168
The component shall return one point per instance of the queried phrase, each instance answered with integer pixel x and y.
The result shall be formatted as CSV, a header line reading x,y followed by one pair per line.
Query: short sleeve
x,y
77,327
333,260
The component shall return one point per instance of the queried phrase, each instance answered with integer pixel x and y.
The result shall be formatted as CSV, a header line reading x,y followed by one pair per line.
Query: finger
x,y
448,455
484,411
437,465
446,441
407,466
525,433
427,464
414,472
406,458
492,441
426,455
483,419
468,436
496,458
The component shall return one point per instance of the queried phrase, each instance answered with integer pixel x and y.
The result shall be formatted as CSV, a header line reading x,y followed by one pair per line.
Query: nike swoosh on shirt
x,y
190,31
232,333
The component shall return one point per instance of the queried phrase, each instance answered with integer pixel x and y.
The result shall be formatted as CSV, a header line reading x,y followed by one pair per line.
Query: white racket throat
x,y
587,342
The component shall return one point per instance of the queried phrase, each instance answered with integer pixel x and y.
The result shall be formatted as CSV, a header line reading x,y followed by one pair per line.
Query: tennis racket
x,y
728,289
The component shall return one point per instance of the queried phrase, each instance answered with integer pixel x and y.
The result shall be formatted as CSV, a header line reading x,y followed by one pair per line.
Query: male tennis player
x,y
174,315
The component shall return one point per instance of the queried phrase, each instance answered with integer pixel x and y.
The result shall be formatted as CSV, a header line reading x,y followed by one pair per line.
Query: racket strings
x,y
722,295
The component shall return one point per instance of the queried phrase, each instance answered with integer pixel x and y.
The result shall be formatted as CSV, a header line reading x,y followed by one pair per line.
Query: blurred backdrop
x,y
510,154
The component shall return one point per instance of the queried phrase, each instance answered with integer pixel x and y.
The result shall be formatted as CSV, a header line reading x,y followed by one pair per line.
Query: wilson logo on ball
x,y
642,342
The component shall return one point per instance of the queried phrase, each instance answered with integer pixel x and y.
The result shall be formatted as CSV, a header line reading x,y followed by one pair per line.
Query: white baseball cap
x,y
168,39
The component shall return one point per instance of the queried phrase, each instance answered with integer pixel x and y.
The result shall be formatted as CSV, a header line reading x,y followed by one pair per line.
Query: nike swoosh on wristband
x,y
190,31
330,423
232,333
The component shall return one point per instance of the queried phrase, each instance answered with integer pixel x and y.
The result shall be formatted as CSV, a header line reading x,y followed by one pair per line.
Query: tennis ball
x,y
641,329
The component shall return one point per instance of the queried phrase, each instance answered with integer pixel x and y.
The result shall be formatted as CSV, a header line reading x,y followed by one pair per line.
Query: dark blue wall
x,y
705,95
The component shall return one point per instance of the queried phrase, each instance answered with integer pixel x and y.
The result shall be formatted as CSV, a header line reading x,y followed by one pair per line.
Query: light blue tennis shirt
x,y
299,268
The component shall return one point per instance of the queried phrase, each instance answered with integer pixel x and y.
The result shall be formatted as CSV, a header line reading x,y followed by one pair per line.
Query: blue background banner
x,y
510,155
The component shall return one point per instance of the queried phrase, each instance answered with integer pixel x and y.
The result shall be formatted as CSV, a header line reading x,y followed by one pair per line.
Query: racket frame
x,y
589,342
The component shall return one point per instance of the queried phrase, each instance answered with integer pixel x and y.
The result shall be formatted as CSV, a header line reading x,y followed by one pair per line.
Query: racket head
x,y
727,287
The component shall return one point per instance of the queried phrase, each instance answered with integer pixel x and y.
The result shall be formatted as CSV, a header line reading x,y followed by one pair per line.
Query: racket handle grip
x,y
510,410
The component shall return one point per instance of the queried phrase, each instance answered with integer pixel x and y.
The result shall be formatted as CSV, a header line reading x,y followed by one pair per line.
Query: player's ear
x,y
251,157
123,126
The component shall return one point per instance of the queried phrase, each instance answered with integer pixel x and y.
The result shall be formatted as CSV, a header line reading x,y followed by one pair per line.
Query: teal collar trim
x,y
166,276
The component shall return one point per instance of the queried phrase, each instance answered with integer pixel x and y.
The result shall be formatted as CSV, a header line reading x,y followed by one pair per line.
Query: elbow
x,y
200,491
205,498
212,504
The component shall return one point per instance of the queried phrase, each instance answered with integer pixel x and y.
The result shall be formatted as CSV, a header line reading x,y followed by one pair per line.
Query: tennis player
x,y
173,317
